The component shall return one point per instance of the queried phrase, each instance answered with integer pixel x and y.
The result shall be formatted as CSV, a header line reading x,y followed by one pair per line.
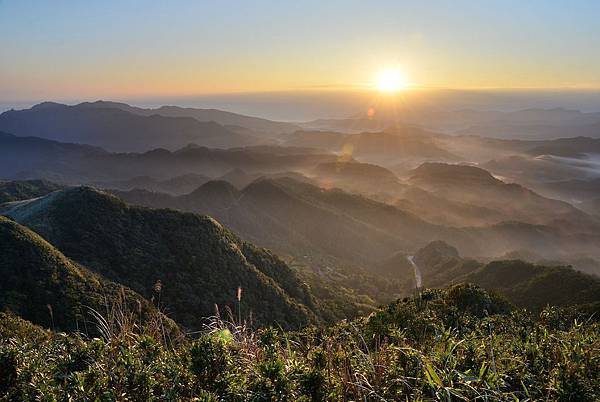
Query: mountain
x,y
472,185
524,124
43,286
351,125
524,284
398,142
297,218
199,263
176,185
591,206
535,287
534,170
556,117
255,124
534,122
438,209
239,178
483,149
575,190
359,177
441,264
25,189
312,223
32,157
533,131
116,129
576,147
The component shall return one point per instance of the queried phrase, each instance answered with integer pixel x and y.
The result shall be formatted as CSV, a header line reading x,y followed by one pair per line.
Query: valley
x,y
299,201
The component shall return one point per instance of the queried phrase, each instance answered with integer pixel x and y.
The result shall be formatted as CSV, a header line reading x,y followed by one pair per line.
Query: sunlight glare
x,y
391,80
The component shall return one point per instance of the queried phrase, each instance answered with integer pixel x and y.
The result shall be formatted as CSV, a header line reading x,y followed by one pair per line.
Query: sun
x,y
391,80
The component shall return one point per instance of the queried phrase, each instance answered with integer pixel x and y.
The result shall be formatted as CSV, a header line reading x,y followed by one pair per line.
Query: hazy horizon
x,y
64,50
317,104
300,201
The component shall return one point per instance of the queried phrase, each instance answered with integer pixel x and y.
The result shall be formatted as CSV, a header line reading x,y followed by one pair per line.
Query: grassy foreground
x,y
456,344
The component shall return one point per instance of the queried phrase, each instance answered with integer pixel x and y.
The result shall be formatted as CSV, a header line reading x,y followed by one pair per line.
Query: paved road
x,y
418,277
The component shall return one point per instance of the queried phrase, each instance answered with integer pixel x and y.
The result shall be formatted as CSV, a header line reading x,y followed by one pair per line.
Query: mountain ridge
x,y
115,129
138,246
45,287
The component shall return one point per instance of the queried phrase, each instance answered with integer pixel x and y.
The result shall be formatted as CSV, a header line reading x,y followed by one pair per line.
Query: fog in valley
x,y
338,193
300,201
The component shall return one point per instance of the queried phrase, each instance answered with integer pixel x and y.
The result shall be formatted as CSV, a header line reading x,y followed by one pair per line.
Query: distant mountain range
x,y
29,157
533,131
32,157
348,211
524,124
228,119
473,186
116,129
301,219
120,127
576,147
401,142
176,185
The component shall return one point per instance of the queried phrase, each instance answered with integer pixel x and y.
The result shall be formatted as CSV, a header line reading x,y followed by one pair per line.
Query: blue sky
x,y
67,49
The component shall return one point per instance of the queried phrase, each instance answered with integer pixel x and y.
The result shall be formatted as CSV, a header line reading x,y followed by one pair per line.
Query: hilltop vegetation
x,y
25,189
457,344
43,286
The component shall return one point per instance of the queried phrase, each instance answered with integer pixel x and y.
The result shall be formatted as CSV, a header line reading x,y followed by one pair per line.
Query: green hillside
x,y
25,189
536,286
199,263
526,285
43,286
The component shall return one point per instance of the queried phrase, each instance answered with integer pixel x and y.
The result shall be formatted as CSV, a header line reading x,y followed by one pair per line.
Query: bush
x,y
438,346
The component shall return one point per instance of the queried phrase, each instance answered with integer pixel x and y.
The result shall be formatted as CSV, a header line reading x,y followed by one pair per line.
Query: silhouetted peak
x,y
434,171
192,149
264,187
214,188
157,152
353,168
47,105
435,253
104,104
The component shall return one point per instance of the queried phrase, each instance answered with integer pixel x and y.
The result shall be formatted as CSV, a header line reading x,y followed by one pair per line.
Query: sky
x,y
126,49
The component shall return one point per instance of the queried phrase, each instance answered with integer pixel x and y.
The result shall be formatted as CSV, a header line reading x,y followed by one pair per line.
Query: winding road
x,y
418,277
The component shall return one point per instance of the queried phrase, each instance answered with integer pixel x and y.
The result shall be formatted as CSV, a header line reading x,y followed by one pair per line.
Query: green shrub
x,y
438,346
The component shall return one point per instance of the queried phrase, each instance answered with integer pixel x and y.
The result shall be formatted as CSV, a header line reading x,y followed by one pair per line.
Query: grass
x,y
456,344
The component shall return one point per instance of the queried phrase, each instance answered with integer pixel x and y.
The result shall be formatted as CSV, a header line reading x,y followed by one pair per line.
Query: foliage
x,y
198,261
526,285
40,284
25,189
435,346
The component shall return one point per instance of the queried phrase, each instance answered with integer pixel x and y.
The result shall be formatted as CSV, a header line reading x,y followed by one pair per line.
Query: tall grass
x,y
434,348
